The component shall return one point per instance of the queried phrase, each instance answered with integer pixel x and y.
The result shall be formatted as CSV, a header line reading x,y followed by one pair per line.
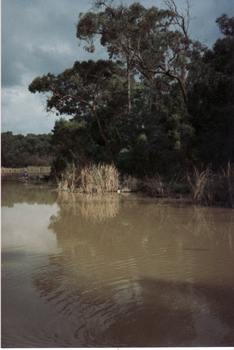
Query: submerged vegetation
x,y
151,118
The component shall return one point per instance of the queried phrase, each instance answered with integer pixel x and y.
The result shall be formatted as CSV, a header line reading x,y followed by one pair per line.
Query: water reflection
x,y
95,207
115,271
147,276
13,192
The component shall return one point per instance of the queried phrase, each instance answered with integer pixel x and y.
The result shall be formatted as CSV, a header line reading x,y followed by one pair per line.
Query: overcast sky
x,y
39,36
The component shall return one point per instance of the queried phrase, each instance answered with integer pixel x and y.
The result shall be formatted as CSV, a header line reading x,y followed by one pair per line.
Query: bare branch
x,y
182,20
99,3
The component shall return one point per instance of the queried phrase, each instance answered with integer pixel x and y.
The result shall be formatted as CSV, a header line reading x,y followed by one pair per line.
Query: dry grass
x,y
69,179
157,187
228,184
208,188
202,186
101,178
154,186
131,183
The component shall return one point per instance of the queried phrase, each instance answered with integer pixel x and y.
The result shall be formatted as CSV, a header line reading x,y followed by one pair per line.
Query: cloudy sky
x,y
39,36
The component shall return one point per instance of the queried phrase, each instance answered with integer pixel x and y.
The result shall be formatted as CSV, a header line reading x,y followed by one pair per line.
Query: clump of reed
x,y
69,179
159,187
91,178
154,186
202,186
228,185
99,178
208,188
131,184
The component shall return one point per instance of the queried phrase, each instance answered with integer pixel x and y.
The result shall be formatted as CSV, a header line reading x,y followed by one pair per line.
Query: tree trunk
x,y
100,130
129,86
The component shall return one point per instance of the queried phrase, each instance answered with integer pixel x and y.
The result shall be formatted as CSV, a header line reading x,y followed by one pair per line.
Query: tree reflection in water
x,y
140,273
15,192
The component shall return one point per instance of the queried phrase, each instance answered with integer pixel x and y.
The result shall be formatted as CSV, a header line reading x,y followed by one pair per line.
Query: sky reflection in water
x,y
117,270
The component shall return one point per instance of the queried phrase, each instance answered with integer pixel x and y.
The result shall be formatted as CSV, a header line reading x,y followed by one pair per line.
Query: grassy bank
x,y
202,187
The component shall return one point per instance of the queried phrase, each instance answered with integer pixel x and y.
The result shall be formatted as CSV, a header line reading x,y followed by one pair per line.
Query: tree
x,y
20,151
144,38
211,99
81,87
107,24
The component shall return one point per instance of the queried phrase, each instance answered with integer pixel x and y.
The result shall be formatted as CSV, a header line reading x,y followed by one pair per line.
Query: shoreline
x,y
29,169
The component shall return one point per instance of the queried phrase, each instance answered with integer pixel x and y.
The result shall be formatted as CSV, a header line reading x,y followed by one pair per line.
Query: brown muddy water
x,y
119,270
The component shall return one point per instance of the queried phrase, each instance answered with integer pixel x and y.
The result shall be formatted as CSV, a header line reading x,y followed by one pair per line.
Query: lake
x,y
120,270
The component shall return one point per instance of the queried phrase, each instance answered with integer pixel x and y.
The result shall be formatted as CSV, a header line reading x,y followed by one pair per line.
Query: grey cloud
x,y
28,27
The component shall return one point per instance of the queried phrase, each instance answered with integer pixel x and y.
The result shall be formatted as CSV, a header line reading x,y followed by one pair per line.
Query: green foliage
x,y
176,113
19,151
153,41
211,100
59,166
79,90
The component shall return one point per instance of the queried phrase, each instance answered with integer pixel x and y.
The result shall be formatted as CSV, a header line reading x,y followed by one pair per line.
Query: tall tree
x,y
81,87
154,41
211,98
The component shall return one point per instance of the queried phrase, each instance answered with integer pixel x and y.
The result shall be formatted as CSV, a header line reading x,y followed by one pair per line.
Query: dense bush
x,y
19,151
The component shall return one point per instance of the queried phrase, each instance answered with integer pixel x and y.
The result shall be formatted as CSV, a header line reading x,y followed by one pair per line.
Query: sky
x,y
39,36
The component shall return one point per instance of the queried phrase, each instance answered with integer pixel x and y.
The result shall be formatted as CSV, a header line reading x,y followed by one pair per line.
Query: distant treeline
x,y
19,151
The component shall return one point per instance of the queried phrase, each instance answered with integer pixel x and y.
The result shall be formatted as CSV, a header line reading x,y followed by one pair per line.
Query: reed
x,y
131,184
208,188
154,187
201,186
68,179
101,178
228,185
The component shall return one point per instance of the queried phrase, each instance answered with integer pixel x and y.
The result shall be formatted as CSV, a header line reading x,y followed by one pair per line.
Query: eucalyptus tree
x,y
114,26
153,41
80,89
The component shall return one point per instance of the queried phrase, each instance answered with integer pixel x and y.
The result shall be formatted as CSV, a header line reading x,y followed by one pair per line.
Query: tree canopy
x,y
161,102
19,151
154,41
